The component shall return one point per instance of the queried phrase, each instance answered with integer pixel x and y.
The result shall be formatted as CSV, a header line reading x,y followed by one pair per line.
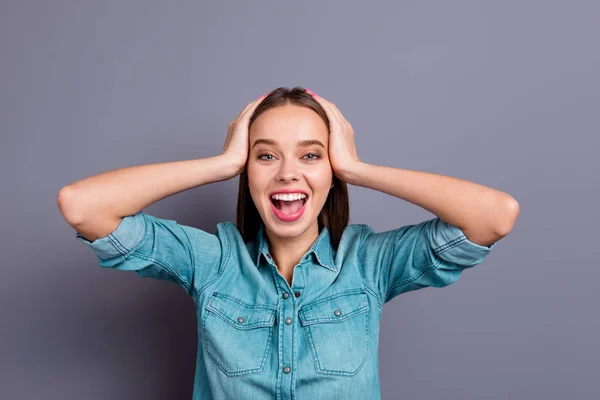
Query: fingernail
x,y
310,92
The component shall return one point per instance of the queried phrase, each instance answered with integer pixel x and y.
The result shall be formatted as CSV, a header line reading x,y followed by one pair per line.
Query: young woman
x,y
289,299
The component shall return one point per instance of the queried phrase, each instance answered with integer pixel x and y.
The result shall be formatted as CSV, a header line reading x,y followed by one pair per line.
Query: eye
x,y
262,155
313,157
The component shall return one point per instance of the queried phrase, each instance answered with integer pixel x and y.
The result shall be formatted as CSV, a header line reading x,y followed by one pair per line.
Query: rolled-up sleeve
x,y
432,253
161,249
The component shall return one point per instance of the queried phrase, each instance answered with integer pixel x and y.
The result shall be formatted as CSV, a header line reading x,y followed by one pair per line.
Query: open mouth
x,y
289,207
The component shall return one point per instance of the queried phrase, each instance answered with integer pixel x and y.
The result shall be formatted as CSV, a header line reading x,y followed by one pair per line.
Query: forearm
x,y
126,191
483,213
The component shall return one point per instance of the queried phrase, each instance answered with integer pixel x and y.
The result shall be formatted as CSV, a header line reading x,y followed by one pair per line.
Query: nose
x,y
288,172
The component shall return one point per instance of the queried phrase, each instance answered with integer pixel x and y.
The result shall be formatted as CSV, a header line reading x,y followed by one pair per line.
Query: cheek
x,y
254,174
320,178
256,182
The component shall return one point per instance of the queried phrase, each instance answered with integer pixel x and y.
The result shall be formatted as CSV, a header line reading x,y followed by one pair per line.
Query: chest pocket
x,y
337,332
238,335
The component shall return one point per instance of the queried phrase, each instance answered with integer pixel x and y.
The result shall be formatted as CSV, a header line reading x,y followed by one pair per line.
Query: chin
x,y
291,230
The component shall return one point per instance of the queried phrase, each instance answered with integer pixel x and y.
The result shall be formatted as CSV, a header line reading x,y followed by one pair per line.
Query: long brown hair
x,y
335,213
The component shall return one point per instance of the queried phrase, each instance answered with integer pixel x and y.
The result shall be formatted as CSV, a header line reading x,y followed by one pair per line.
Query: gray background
x,y
499,93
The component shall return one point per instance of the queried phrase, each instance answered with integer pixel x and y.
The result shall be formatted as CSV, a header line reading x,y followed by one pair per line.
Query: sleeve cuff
x,y
122,240
450,243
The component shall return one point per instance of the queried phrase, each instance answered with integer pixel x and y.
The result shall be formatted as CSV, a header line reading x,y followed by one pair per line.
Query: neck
x,y
287,251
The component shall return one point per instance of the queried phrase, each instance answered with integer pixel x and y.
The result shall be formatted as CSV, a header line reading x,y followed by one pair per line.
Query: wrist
x,y
351,173
232,165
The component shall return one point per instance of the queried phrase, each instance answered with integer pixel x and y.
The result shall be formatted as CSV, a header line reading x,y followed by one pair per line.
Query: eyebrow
x,y
301,143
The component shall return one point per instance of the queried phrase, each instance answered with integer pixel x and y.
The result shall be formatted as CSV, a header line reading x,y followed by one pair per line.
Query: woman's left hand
x,y
342,151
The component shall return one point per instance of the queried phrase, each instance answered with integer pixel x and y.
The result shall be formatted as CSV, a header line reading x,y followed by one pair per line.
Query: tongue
x,y
290,207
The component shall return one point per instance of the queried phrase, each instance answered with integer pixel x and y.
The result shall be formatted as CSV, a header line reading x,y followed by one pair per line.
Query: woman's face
x,y
289,153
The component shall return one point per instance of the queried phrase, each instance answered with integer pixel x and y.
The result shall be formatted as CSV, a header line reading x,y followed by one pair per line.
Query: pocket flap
x,y
241,314
336,308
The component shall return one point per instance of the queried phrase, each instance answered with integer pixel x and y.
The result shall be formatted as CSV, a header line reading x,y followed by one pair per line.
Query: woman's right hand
x,y
236,144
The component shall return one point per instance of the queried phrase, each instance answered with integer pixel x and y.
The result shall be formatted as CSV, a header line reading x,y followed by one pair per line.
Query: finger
x,y
328,105
252,105
330,110
249,109
323,103
334,109
256,102
338,114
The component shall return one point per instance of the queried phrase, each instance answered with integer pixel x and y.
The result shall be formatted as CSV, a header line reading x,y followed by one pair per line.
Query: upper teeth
x,y
288,196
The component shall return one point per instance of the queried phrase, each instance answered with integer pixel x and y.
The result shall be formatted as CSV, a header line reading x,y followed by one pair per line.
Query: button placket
x,y
287,333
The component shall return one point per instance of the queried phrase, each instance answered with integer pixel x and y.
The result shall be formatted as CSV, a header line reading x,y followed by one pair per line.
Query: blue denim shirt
x,y
258,337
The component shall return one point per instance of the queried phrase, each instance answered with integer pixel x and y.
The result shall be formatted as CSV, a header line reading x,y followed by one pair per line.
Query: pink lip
x,y
285,217
288,218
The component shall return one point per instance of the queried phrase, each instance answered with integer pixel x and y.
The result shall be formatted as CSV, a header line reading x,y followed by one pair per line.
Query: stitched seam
x,y
243,303
373,293
341,318
228,319
333,296
119,246
166,267
361,238
324,371
393,287
240,372
280,335
417,275
193,265
414,277
223,265
309,321
115,242
369,289
331,260
352,373
312,345
452,243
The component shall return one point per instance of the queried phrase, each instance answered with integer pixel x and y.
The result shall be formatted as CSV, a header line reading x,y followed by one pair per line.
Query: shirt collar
x,y
321,248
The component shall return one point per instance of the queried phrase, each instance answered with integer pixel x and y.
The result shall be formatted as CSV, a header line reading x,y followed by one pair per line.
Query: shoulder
x,y
354,235
233,242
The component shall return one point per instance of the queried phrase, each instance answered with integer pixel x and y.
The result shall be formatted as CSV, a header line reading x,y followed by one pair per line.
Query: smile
x,y
288,207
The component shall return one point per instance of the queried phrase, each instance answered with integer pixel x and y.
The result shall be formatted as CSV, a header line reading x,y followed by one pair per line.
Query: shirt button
x,y
288,321
297,294
286,295
241,320
286,370
337,313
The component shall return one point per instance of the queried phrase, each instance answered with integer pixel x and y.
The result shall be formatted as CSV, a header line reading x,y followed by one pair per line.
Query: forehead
x,y
288,124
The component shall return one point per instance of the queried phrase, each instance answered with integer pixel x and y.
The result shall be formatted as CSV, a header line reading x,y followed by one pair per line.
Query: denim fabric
x,y
260,339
